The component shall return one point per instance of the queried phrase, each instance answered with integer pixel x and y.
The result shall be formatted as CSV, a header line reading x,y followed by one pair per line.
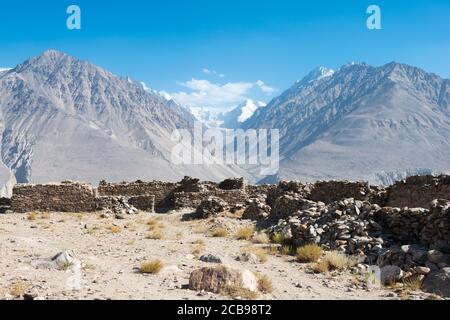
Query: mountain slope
x,y
62,118
362,122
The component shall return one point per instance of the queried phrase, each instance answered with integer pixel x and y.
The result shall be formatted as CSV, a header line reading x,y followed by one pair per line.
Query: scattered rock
x,y
248,257
438,283
62,261
209,258
391,275
435,256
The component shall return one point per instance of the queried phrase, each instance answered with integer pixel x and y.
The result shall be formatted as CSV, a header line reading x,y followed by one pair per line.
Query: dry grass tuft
x,y
236,291
334,260
18,288
272,250
32,216
309,253
261,238
199,229
264,284
115,229
245,233
280,238
261,253
219,233
286,250
338,260
151,267
155,235
321,267
413,283
198,250
45,215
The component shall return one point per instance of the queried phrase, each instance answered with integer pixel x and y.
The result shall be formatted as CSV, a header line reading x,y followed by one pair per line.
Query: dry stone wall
x,y
161,191
418,191
64,197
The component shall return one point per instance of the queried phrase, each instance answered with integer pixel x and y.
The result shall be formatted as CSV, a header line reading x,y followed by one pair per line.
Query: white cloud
x,y
205,94
265,88
5,69
212,73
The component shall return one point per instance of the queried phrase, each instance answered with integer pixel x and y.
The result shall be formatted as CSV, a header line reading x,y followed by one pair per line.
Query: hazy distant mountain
x,y
236,117
361,122
62,118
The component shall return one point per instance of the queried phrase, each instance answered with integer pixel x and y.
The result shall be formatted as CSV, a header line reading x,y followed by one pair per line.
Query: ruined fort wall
x,y
162,191
418,191
64,197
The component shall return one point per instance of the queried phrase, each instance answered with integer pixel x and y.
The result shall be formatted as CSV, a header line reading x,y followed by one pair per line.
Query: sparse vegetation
x,y
18,288
338,260
32,216
264,284
272,250
413,283
286,250
261,238
151,267
245,233
321,267
309,253
261,253
155,235
280,238
333,260
115,229
219,233
45,215
198,249
200,229
236,291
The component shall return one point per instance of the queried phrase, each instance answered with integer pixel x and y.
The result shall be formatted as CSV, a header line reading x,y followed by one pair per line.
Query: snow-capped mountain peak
x,y
318,74
248,108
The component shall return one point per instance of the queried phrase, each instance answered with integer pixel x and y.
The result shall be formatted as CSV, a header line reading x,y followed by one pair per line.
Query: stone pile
x,y
256,209
346,226
210,207
119,206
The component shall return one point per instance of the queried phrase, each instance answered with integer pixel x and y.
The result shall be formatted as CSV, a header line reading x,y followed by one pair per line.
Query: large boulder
x,y
438,283
211,206
62,261
391,275
217,279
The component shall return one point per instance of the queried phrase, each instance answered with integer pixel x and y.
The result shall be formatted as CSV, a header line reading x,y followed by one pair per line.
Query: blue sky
x,y
252,48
